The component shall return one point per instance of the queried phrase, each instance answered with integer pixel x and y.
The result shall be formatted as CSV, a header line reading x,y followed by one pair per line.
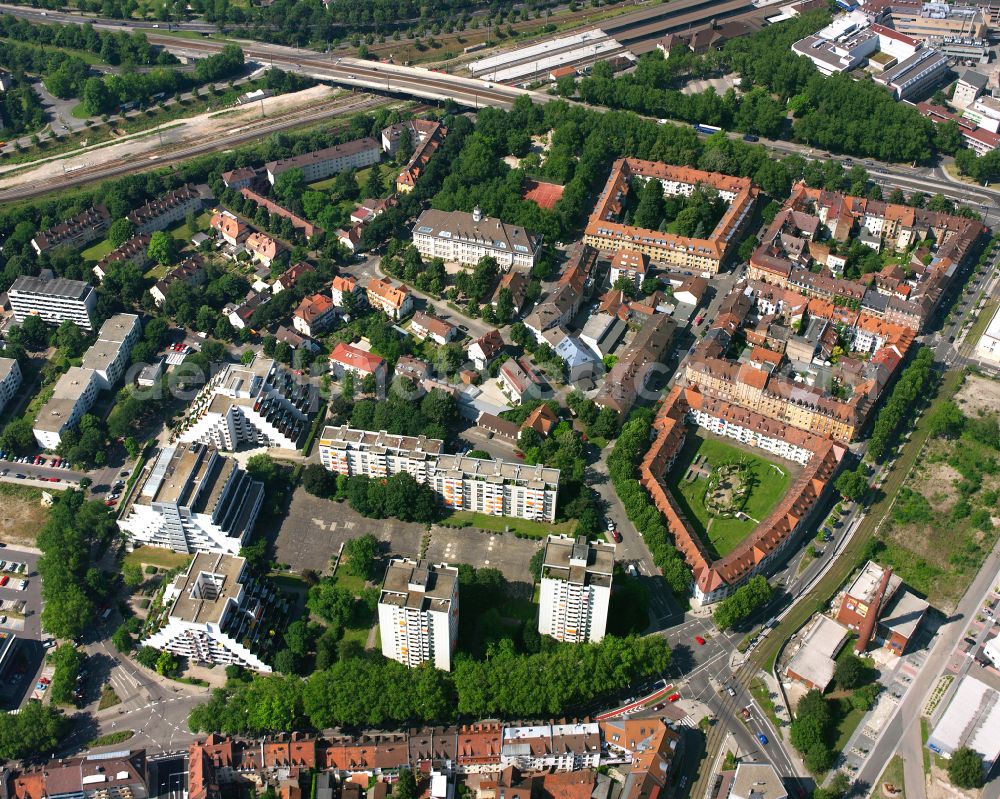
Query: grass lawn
x,y
359,634
97,252
848,719
157,556
83,55
501,524
156,272
893,775
722,535
760,692
349,582
181,233
981,323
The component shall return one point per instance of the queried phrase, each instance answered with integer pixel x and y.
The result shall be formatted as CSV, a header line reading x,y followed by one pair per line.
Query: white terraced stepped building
x,y
262,404
215,610
193,500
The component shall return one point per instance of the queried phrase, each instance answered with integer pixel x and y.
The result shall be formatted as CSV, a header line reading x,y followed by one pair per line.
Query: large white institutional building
x,y
576,589
418,613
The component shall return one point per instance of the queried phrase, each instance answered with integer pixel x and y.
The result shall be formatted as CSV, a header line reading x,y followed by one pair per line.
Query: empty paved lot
x,y
478,548
315,528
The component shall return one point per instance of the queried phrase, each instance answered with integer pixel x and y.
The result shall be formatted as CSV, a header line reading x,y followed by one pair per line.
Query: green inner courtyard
x,y
725,490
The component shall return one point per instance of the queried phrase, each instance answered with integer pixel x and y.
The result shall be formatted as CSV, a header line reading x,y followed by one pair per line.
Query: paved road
x,y
48,17
908,713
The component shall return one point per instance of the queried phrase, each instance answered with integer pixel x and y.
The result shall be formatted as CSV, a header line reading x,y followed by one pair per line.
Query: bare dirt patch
x,y
937,480
979,395
21,514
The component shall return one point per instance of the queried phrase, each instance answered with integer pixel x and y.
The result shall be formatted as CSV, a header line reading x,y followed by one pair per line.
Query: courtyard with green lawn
x,y
726,490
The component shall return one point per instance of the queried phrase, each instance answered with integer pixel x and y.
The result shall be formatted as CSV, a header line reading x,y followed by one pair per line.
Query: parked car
x,y
617,536
700,640
673,697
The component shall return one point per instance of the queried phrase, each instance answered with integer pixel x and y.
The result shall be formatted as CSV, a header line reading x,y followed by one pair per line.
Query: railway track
x,y
95,172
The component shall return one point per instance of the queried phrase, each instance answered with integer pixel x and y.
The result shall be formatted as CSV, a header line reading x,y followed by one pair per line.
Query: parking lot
x,y
479,548
19,615
315,528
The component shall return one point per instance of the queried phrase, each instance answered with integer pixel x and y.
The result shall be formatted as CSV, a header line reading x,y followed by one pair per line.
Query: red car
x,y
673,697
4,580
617,536
700,640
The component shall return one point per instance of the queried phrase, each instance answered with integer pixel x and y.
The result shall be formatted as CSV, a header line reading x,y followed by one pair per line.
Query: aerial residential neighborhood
x,y
554,400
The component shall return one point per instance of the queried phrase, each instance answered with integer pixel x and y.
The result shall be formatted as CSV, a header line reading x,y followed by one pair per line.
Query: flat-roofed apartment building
x,y
262,404
464,238
10,380
54,300
350,451
193,500
922,20
215,610
418,613
495,487
71,398
108,356
575,589
320,164
606,233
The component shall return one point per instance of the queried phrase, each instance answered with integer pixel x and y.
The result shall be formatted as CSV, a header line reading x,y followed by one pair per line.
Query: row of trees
x,y
835,112
105,95
112,47
377,692
914,383
746,599
71,541
632,442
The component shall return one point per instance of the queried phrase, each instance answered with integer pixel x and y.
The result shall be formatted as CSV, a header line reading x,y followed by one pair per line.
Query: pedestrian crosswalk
x,y
687,721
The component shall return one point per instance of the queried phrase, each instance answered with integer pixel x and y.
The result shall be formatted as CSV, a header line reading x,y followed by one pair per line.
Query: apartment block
x,y
74,232
133,251
216,613
464,238
314,314
348,360
54,300
552,747
606,232
193,499
575,589
321,164
109,355
190,271
496,487
104,775
350,451
418,613
10,380
262,404
395,301
169,209
72,397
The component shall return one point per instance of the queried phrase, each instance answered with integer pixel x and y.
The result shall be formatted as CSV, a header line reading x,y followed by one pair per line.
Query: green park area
x,y
725,491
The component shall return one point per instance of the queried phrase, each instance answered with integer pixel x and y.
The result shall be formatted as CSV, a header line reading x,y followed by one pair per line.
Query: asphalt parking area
x,y
314,529
478,548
